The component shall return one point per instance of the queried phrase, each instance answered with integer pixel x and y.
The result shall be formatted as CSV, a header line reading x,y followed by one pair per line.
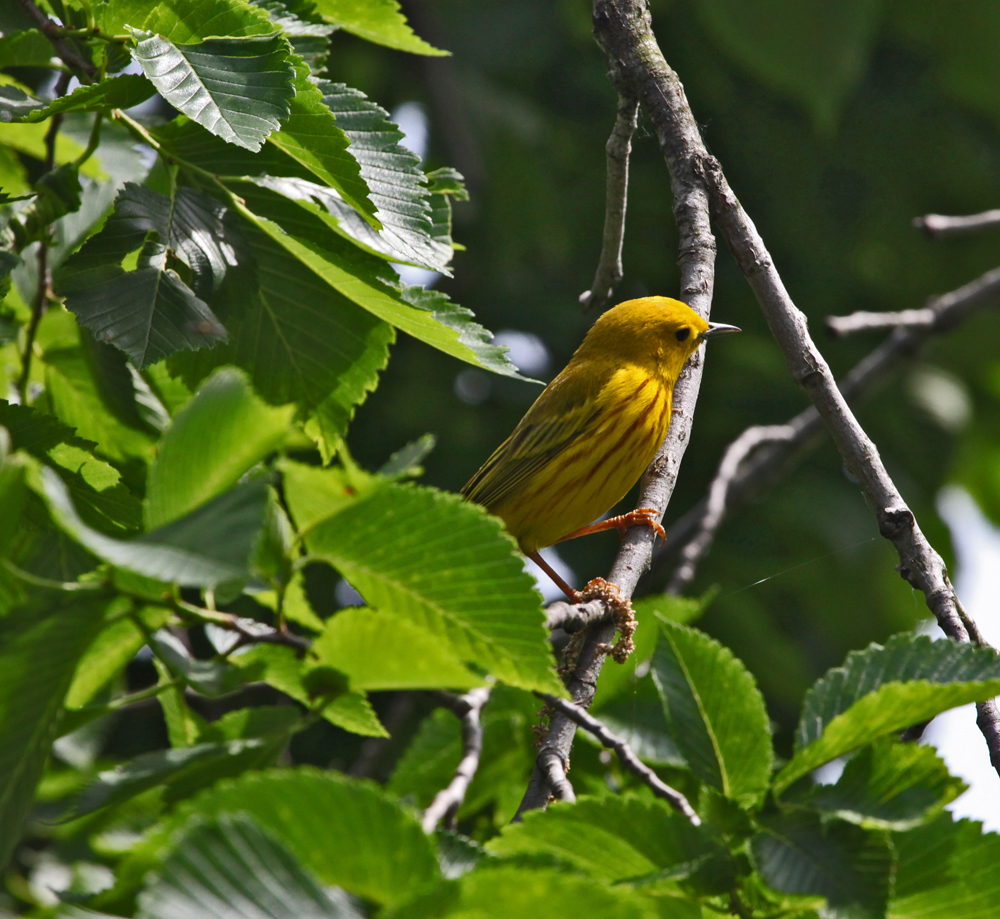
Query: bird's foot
x,y
599,589
643,516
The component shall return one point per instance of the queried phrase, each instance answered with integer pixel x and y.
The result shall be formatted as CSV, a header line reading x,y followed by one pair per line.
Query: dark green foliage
x,y
194,722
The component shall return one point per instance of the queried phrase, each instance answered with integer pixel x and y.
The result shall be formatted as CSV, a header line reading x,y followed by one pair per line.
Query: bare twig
x,y
919,563
619,145
638,67
553,768
758,472
862,321
250,630
446,802
572,617
718,496
52,32
938,226
629,760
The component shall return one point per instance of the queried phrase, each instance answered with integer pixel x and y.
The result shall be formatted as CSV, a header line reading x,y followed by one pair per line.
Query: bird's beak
x,y
717,328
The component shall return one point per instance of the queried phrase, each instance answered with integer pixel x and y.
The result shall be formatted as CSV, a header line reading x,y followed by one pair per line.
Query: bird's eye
x,y
682,334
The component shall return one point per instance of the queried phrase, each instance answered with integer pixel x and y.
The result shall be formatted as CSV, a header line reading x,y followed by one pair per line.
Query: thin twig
x,y
572,617
250,630
638,67
52,32
446,802
758,472
629,760
718,496
919,564
863,321
618,147
938,226
44,292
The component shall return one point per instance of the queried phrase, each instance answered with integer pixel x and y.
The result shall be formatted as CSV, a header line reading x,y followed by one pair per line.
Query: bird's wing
x,y
563,415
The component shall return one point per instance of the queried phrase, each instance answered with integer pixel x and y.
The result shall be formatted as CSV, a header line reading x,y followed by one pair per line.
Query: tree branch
x,y
629,760
764,468
63,48
624,31
937,226
862,321
447,801
920,565
618,147
573,617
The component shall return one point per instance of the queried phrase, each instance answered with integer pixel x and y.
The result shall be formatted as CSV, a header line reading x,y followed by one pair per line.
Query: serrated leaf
x,y
617,838
220,434
448,567
304,28
298,339
426,315
380,651
207,547
945,870
183,21
283,669
227,868
240,89
113,92
378,21
40,646
886,785
885,689
339,828
715,712
797,854
150,312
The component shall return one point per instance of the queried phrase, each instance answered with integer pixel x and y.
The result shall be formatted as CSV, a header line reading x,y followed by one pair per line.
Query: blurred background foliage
x,y
837,124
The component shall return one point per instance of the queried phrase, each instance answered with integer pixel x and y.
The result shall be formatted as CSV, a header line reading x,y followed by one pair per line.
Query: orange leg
x,y
573,595
644,516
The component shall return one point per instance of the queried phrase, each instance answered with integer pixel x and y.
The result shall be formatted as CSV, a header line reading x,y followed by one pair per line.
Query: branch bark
x,y
862,321
938,226
761,470
618,148
446,802
624,32
629,760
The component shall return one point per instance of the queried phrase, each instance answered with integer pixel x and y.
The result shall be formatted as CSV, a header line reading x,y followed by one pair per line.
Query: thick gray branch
x,y
446,803
919,563
938,226
624,31
629,760
609,267
761,470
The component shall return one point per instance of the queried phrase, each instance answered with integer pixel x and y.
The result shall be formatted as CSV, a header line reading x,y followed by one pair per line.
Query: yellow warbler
x,y
593,430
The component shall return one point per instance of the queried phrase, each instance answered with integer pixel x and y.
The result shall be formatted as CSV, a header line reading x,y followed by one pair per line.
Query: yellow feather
x,y
594,429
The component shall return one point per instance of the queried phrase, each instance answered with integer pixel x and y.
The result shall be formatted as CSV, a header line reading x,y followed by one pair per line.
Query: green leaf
x,y
426,315
282,669
405,463
109,654
347,832
885,689
113,92
209,677
312,137
379,651
886,785
27,48
796,853
945,870
227,868
813,53
186,768
207,547
183,21
303,27
298,339
220,434
617,838
636,714
378,21
150,312
240,89
40,646
508,892
447,566
715,712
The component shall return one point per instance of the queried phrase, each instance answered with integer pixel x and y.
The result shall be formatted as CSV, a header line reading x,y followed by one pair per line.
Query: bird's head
x,y
655,330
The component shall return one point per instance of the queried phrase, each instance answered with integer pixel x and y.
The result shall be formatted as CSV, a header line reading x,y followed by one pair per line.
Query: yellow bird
x,y
594,429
